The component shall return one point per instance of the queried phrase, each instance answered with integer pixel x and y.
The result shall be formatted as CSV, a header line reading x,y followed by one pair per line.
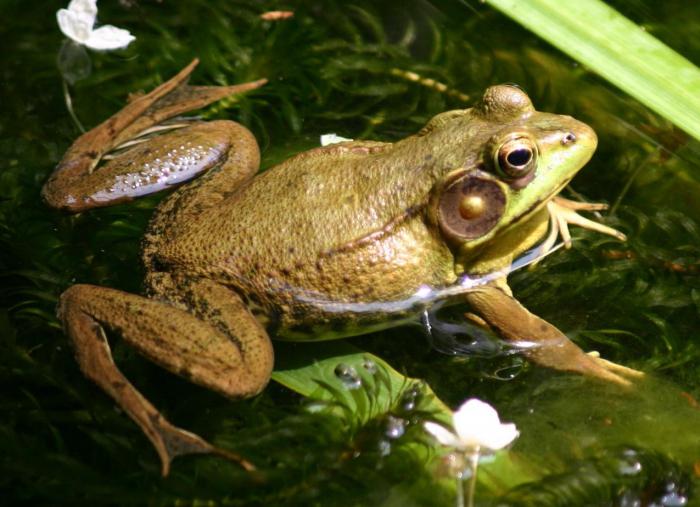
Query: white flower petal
x,y
327,139
86,10
477,425
74,27
442,434
109,37
500,437
474,413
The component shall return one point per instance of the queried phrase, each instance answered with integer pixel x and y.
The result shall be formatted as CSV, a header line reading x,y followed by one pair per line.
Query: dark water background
x,y
330,70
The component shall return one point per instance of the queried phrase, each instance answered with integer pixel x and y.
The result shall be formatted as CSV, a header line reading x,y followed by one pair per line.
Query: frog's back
x,y
341,222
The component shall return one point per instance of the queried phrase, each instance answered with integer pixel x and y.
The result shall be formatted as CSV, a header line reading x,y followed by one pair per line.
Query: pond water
x,y
349,68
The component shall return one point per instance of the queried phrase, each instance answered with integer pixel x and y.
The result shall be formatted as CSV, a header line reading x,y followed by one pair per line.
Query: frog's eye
x,y
517,157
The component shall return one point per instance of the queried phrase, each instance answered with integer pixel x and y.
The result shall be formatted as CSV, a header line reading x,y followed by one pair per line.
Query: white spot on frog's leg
x,y
327,139
176,166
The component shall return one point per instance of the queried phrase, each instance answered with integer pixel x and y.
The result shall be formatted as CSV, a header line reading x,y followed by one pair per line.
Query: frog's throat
x,y
538,205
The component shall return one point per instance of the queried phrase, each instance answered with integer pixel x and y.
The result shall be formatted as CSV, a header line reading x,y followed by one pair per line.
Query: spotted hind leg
x,y
148,160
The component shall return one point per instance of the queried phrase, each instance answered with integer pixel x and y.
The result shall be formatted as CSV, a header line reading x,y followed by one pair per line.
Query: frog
x,y
337,241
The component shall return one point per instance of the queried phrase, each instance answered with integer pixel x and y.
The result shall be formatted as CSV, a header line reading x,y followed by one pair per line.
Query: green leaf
x,y
622,52
311,371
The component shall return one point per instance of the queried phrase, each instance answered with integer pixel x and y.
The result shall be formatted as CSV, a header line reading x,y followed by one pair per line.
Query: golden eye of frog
x,y
337,241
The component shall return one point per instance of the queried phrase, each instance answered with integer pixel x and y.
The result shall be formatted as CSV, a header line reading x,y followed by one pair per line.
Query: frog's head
x,y
518,159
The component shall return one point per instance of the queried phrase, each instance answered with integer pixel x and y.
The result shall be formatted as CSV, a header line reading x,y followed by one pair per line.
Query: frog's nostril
x,y
569,138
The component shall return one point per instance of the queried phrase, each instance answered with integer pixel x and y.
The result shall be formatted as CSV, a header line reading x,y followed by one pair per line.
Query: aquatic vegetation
x,y
77,23
477,430
477,427
331,70
619,50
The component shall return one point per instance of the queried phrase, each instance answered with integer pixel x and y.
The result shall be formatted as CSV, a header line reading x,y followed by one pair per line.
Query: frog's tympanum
x,y
337,241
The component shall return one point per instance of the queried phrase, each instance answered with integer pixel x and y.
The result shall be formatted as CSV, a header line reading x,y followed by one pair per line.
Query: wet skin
x,y
325,245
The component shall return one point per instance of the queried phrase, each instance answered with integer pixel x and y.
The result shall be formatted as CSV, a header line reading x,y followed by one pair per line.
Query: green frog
x,y
336,241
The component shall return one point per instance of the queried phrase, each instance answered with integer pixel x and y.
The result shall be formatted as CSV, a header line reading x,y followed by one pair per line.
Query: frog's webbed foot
x,y
171,442
564,355
539,340
563,212
618,369
218,345
178,97
142,154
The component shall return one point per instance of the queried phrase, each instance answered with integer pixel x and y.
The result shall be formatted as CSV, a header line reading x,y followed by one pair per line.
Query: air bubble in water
x,y
370,366
673,499
384,447
410,397
395,427
629,464
348,376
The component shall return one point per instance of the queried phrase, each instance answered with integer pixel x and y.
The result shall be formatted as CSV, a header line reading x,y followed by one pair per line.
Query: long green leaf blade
x,y
602,39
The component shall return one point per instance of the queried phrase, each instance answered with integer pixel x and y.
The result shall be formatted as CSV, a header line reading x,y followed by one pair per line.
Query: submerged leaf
x,y
304,371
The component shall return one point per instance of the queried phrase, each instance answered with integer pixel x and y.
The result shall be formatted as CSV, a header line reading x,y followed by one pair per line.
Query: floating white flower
x,y
476,427
77,23
327,139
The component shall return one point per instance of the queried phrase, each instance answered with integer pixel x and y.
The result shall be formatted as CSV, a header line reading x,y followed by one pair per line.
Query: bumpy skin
x,y
350,222
321,246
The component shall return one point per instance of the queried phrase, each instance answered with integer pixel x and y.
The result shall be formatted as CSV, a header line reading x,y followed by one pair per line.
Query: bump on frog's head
x,y
500,103
505,102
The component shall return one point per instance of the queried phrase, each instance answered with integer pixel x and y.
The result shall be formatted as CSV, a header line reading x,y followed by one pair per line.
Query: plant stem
x,y
459,502
69,106
473,464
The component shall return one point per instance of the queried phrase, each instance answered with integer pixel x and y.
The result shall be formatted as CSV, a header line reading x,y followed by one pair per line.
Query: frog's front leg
x,y
217,344
542,343
141,155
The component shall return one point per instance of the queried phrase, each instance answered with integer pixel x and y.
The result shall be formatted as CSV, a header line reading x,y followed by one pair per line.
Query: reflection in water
x,y
461,337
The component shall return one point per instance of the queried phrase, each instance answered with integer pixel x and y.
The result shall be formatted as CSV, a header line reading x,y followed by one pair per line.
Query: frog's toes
x,y
178,442
578,205
592,365
616,368
563,213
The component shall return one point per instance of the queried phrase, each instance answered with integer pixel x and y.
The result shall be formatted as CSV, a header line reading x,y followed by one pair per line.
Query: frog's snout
x,y
580,134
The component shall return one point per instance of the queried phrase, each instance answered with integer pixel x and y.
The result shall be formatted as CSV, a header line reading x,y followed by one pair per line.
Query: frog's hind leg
x,y
164,162
229,352
78,183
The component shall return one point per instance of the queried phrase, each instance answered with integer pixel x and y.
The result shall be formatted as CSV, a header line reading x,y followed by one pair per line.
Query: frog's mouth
x,y
540,203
